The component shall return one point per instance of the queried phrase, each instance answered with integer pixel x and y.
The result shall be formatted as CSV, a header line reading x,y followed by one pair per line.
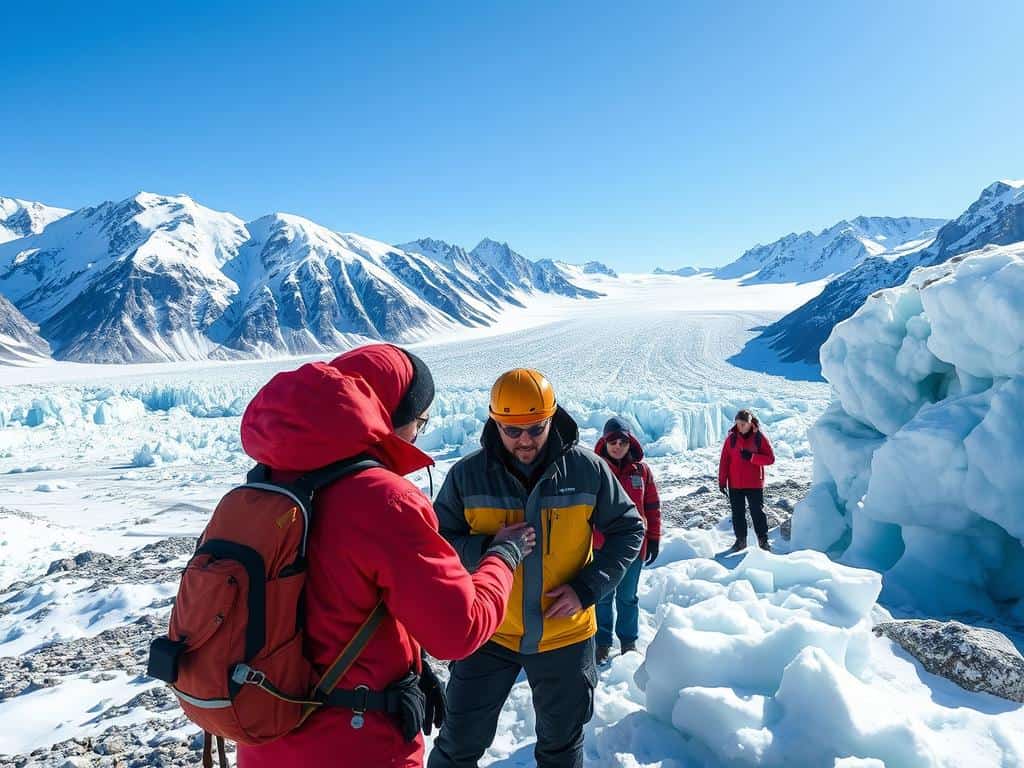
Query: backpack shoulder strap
x,y
757,440
306,486
732,440
258,474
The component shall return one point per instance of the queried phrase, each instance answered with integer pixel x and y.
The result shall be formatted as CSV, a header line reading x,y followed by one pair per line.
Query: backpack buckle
x,y
244,674
359,710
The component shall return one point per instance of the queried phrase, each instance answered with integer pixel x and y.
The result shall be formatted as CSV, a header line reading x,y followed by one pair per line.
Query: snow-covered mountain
x,y
21,218
577,272
19,340
156,278
597,268
522,273
683,271
134,281
837,249
995,218
304,288
467,271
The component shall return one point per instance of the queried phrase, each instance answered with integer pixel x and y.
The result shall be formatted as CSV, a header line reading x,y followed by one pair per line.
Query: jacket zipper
x,y
548,537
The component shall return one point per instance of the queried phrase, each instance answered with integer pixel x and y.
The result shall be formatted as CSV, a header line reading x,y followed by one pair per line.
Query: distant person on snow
x,y
374,539
625,456
745,454
532,469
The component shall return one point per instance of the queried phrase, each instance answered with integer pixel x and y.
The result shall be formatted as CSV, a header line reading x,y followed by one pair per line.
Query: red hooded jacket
x,y
636,478
735,471
374,535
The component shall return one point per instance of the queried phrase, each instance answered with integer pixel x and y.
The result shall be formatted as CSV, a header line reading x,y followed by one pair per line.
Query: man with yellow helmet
x,y
531,472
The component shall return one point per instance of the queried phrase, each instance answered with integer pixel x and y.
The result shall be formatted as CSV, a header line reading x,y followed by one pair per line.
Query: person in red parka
x,y
374,537
621,606
745,454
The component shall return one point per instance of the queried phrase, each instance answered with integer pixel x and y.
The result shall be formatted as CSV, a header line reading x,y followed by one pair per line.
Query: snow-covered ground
x,y
771,663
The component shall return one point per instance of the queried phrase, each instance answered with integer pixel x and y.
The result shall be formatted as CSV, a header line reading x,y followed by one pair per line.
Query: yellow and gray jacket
x,y
575,494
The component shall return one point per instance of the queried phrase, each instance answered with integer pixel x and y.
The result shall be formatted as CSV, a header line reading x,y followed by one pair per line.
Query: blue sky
x,y
667,134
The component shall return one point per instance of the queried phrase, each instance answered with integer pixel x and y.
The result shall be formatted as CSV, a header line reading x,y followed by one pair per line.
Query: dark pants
x,y
755,497
626,613
562,682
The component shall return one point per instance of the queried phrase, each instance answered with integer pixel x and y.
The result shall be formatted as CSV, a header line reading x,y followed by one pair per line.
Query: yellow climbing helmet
x,y
522,396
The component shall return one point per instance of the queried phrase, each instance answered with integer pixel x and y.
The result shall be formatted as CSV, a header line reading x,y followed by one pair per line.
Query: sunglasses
x,y
514,433
421,423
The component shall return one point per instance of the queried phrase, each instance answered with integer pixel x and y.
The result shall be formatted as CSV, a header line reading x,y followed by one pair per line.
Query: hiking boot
x,y
603,654
629,647
763,543
738,546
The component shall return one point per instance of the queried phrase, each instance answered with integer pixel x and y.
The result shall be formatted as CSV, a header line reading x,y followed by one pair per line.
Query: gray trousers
x,y
562,682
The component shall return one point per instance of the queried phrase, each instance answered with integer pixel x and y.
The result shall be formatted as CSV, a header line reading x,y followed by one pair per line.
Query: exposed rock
x,y
706,507
73,563
131,746
121,648
974,658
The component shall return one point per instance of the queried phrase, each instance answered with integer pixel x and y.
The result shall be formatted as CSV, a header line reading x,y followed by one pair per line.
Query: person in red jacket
x,y
745,454
374,537
625,456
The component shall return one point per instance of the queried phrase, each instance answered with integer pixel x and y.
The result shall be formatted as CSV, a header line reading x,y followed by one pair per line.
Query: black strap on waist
x,y
362,699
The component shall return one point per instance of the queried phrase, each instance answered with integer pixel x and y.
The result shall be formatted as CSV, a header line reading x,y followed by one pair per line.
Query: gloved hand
x,y
723,490
746,455
513,543
652,551
436,702
410,704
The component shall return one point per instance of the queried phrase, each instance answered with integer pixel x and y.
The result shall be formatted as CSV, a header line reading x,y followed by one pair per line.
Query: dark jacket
x,y
575,494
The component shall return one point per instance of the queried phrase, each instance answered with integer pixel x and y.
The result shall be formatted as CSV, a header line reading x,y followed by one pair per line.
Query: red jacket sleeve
x,y
449,611
766,456
652,505
723,465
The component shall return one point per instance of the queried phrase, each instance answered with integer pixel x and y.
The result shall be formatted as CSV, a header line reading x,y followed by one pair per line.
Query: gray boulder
x,y
976,659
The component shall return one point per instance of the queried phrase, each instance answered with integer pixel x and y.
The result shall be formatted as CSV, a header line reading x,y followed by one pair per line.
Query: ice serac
x,y
774,664
20,343
21,218
995,218
813,256
134,281
915,461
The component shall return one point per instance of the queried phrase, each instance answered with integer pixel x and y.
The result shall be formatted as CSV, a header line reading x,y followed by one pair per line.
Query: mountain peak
x,y
21,218
832,251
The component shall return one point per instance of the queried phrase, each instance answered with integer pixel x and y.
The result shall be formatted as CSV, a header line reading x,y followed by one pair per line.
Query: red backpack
x,y
233,654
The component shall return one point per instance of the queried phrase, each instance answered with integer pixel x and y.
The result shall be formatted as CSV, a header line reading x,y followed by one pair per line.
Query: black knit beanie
x,y
616,426
418,396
